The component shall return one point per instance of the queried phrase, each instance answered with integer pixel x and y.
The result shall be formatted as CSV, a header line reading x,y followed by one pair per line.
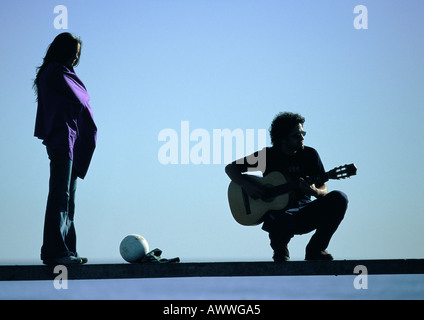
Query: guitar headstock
x,y
343,172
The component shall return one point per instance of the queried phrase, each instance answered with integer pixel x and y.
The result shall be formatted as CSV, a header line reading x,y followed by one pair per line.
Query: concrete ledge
x,y
213,269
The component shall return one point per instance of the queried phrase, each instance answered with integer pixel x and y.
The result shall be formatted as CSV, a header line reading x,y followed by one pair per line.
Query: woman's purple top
x,y
64,117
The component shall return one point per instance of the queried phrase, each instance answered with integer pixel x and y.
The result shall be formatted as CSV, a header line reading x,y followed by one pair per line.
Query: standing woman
x,y
65,124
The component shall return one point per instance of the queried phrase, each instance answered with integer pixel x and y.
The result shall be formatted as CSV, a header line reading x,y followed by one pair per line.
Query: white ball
x,y
133,247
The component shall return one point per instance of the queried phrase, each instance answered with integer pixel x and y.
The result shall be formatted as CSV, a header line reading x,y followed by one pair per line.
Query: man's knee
x,y
339,202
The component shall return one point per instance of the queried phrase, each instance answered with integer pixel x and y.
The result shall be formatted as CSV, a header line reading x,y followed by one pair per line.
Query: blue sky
x,y
149,65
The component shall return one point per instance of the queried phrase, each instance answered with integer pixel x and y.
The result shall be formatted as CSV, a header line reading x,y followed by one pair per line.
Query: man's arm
x,y
321,191
253,189
311,189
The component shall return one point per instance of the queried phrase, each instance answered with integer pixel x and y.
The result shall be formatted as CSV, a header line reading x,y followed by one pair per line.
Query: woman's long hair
x,y
63,48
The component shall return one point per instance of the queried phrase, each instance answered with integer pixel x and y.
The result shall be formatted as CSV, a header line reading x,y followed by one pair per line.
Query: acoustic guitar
x,y
250,212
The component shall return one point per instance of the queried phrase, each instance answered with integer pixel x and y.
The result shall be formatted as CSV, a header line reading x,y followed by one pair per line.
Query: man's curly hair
x,y
282,125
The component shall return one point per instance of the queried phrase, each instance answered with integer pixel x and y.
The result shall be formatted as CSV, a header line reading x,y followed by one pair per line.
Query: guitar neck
x,y
290,186
321,179
338,173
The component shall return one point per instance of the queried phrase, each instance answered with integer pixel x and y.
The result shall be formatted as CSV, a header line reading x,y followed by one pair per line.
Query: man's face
x,y
294,142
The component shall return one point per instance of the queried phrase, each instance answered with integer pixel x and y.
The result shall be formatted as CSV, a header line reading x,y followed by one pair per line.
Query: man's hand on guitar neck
x,y
310,189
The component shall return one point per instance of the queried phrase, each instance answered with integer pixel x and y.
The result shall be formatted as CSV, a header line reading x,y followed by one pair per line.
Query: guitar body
x,y
250,212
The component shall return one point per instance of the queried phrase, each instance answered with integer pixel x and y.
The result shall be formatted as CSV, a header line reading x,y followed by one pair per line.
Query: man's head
x,y
287,133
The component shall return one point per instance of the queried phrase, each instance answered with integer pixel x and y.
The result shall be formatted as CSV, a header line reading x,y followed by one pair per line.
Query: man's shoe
x,y
318,255
65,260
281,256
